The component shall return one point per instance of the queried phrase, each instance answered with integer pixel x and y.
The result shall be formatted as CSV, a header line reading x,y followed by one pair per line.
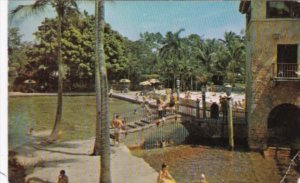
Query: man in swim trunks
x,y
118,124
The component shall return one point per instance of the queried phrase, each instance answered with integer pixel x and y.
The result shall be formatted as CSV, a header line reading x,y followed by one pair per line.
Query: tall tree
x,y
102,141
17,57
62,8
234,54
172,51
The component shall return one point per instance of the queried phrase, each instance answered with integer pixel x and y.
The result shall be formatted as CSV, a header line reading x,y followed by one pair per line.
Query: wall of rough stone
x,y
262,97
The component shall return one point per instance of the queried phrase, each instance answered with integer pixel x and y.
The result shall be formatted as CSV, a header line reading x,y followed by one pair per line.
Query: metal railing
x,y
133,116
187,108
286,70
192,110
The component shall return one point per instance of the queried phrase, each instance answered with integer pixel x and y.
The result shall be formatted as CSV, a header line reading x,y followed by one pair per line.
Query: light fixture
x,y
203,88
228,90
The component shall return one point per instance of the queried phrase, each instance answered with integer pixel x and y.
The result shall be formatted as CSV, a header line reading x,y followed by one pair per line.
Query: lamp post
x,y
228,90
178,94
203,90
178,88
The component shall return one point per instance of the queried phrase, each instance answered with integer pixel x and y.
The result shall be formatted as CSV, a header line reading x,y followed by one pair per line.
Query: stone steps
x,y
282,157
277,152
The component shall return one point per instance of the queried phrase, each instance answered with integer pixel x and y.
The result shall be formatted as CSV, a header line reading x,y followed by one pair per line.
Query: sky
x,y
209,19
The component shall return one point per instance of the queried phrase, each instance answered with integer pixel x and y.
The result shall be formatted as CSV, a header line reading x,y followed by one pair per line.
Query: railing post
x,y
204,104
229,117
198,108
273,70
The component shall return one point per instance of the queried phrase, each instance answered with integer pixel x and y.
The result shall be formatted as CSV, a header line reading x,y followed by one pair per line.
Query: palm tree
x,y
172,51
206,53
102,141
62,8
234,53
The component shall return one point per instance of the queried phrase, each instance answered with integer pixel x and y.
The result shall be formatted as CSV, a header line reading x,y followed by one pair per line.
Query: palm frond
x,y
23,11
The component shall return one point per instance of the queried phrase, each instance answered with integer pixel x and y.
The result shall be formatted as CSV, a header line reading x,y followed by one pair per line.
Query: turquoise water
x,y
38,112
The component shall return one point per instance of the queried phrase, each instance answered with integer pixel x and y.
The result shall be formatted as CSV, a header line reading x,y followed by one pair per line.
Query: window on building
x,y
283,9
287,60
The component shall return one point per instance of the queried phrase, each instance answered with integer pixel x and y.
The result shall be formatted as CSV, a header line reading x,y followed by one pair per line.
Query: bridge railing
x,y
192,109
186,108
130,117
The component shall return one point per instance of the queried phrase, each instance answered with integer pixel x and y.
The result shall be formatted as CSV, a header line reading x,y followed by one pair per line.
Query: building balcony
x,y
286,72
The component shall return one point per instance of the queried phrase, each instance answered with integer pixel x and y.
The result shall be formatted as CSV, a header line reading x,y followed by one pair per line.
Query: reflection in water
x,y
171,134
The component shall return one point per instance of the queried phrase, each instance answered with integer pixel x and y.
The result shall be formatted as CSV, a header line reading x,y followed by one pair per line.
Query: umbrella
x,y
29,81
153,81
145,83
125,81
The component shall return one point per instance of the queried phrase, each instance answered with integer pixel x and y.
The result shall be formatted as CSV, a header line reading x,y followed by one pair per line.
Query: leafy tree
x,y
17,57
115,52
77,51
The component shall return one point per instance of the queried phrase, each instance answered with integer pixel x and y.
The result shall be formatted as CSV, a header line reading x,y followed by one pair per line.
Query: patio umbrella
x,y
145,83
29,81
154,81
125,81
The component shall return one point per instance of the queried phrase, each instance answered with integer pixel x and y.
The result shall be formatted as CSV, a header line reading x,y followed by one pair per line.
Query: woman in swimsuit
x,y
164,175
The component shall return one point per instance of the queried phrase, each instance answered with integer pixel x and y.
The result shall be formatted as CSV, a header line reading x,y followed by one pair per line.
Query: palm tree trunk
x,y
192,83
174,81
97,144
103,116
54,133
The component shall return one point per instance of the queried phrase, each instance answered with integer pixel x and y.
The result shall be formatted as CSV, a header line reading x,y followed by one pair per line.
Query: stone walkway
x,y
43,163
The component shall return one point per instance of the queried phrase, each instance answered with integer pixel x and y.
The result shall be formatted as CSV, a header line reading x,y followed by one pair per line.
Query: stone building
x,y
273,72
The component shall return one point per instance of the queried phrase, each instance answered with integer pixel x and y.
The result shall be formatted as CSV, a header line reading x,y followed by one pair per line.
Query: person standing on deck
x,y
224,108
172,103
160,106
118,124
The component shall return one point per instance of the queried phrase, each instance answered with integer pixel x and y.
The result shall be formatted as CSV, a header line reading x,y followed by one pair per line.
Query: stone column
x,y
230,123
298,58
198,108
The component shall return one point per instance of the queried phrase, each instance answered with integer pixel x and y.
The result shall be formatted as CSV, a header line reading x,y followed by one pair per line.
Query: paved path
x,y
44,163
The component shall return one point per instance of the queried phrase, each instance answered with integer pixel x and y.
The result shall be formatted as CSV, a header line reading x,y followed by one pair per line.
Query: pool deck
x,y
43,163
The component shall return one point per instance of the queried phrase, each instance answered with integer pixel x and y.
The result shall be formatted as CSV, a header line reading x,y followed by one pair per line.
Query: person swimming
x,y
164,176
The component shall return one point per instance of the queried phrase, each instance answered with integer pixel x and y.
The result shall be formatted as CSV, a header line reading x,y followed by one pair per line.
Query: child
x,y
62,178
